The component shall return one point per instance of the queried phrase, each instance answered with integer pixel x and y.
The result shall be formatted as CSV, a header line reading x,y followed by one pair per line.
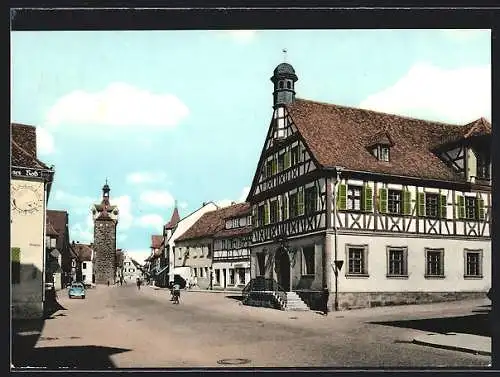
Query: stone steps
x,y
295,303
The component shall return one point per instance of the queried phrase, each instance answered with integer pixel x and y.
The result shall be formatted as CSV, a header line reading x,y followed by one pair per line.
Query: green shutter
x,y
342,197
15,254
274,166
443,206
300,202
406,202
421,203
382,200
461,206
480,209
287,159
367,198
266,213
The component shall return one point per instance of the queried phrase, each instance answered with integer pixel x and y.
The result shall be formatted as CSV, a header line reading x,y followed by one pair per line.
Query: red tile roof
x,y
243,231
156,241
173,220
83,251
214,221
23,142
339,135
50,231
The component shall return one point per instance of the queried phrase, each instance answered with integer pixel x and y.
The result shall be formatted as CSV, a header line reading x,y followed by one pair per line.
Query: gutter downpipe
x,y
338,171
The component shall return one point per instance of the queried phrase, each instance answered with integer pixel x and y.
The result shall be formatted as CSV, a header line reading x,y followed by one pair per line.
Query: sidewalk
x,y
235,292
479,345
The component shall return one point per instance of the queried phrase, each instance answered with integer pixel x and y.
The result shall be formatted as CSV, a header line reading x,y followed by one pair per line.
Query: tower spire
x,y
284,54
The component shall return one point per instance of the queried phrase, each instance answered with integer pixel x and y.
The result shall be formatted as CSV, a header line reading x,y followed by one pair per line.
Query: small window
x,y
293,205
260,215
289,85
201,272
295,155
241,275
281,162
83,277
354,197
434,263
308,262
269,168
384,153
231,276
281,85
84,265
274,212
473,260
483,165
470,207
394,201
311,200
357,257
261,262
397,261
432,205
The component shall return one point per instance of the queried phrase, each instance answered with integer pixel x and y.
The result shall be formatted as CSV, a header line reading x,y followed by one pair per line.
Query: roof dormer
x,y
380,145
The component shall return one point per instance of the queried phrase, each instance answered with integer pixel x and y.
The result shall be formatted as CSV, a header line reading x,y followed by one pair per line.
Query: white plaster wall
x,y
27,232
182,226
88,271
377,265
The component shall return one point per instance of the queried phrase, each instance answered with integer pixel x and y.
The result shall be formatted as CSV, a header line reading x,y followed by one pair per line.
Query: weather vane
x,y
284,54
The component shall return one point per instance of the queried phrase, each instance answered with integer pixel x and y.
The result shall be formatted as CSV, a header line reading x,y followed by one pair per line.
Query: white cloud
x,y
244,194
157,198
44,141
183,205
119,105
81,233
151,221
240,36
138,254
125,218
449,95
466,35
146,177
78,205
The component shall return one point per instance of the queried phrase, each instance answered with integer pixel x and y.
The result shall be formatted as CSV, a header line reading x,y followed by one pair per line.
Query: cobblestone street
x,y
121,327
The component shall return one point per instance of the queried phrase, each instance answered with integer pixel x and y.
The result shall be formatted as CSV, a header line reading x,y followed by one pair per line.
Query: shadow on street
x,y
235,297
476,324
74,357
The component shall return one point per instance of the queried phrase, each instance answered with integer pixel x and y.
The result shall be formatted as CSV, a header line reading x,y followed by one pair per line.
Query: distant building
x,y
130,271
30,184
105,218
59,220
85,254
194,248
53,270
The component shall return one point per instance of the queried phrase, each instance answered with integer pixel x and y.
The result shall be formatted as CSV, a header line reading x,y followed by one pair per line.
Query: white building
x,y
231,250
130,270
380,209
85,255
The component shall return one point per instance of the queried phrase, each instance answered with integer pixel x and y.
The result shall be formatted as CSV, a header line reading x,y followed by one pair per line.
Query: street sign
x,y
339,264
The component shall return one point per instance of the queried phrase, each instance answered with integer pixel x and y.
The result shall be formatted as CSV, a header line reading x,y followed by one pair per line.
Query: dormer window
x,y
381,152
483,166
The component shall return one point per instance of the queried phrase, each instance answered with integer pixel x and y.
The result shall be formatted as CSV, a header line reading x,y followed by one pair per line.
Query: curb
x,y
451,348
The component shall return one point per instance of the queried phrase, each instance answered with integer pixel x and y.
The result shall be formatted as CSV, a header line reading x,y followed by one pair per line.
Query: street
x,y
123,327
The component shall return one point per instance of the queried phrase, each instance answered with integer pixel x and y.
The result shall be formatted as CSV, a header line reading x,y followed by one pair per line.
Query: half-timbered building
x,y
231,256
379,208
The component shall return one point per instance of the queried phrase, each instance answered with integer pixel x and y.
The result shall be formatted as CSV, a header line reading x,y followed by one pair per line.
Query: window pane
x,y
431,205
394,201
308,261
356,265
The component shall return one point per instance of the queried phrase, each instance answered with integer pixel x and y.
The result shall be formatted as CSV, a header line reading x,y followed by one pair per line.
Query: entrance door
x,y
224,277
283,269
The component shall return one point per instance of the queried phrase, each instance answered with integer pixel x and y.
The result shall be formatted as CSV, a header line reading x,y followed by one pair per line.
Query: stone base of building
x,y
358,300
27,310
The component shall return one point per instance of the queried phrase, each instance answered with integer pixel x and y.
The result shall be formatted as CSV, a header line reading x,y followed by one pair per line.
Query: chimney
x,y
203,204
233,203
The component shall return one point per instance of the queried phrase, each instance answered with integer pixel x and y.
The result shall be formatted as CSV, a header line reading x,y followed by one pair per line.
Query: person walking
x,y
138,284
326,295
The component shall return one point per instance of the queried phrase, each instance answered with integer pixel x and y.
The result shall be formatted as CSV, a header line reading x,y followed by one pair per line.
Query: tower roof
x,y
284,69
174,219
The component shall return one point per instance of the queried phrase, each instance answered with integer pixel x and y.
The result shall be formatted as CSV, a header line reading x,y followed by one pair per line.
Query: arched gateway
x,y
282,268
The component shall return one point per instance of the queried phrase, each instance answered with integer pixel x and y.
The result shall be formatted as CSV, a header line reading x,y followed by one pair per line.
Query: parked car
x,y
76,290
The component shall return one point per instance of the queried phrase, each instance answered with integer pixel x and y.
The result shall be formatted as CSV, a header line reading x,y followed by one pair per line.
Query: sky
x,y
182,116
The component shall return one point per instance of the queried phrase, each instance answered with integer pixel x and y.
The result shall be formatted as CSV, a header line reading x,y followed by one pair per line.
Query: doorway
x,y
282,267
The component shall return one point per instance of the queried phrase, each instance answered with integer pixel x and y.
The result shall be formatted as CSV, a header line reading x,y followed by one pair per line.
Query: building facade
x,y
231,250
85,260
378,208
194,248
105,218
30,186
60,220
130,271
53,270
